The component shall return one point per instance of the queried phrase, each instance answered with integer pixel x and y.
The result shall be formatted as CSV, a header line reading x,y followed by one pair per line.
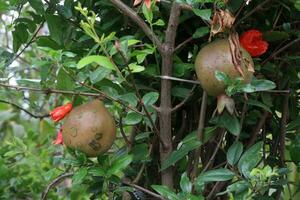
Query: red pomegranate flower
x,y
59,138
60,112
253,42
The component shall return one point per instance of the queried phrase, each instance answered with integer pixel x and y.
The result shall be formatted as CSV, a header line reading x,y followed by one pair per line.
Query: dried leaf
x,y
221,20
235,50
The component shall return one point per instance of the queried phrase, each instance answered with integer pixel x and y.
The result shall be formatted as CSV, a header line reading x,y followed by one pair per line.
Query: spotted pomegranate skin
x,y
216,56
89,128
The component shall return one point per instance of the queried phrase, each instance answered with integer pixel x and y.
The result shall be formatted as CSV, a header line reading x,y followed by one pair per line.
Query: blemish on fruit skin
x,y
95,145
98,136
73,132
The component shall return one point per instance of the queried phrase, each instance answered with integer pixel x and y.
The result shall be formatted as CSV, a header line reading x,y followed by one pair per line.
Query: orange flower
x,y
59,138
60,112
253,42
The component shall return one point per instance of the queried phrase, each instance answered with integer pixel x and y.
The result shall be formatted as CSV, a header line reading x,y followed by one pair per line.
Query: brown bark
x,y
165,93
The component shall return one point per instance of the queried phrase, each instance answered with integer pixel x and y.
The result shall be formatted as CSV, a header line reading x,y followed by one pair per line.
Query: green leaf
x,y
64,81
297,5
135,68
46,41
120,164
57,28
133,118
200,32
37,5
130,98
20,36
250,159
12,153
221,76
100,60
159,22
273,36
140,152
132,42
231,123
294,150
99,74
237,187
220,174
259,104
150,98
293,124
190,143
97,171
165,192
147,13
204,13
234,153
180,92
185,183
263,85
79,176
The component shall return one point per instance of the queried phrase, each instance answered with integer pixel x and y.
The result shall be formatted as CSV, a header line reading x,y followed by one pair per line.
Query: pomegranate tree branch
x,y
200,134
178,106
212,158
141,102
123,132
274,54
29,42
283,122
257,8
258,128
182,44
54,91
129,12
165,120
54,183
143,190
24,110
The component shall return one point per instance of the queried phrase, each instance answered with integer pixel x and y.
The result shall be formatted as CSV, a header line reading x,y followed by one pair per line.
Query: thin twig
x,y
49,91
28,43
143,189
245,107
200,134
178,79
26,111
178,106
212,158
123,132
240,10
126,10
141,102
54,183
258,128
274,54
185,6
283,123
215,189
277,18
179,46
258,7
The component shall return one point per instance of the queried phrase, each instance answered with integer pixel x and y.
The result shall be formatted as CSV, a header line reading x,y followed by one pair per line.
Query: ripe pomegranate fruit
x,y
89,128
216,56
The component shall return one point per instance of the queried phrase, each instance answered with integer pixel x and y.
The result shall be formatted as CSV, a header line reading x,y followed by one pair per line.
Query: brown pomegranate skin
x,y
89,128
216,56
